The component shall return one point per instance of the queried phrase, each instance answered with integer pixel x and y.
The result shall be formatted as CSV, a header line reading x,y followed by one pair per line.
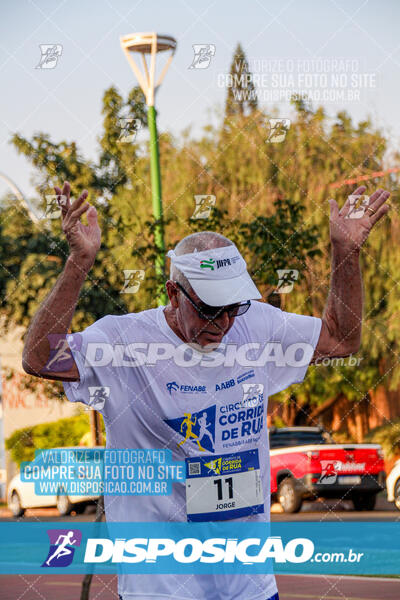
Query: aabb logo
x,y
62,547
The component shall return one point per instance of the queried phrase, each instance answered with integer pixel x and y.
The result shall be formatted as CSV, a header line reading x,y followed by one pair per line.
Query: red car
x,y
307,464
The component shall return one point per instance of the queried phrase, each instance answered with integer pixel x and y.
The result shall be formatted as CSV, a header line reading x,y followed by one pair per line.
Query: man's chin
x,y
207,342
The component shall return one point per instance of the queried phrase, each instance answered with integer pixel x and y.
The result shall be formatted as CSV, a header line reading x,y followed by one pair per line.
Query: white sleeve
x,y
92,352
298,337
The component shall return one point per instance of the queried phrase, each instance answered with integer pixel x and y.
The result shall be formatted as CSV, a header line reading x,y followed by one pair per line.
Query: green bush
x,y
388,436
65,432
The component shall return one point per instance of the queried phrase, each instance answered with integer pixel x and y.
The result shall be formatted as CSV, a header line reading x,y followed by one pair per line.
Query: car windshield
x,y
285,438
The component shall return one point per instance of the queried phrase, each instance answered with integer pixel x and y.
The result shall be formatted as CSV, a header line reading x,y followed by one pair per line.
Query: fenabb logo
x,y
192,550
173,386
62,547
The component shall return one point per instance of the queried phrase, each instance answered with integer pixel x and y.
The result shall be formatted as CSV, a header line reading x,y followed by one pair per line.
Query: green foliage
x,y
241,98
271,200
65,432
388,436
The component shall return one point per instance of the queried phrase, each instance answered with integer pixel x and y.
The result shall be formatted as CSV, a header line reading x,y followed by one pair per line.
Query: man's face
x,y
193,327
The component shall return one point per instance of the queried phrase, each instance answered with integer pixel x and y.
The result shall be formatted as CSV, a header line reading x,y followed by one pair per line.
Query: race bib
x,y
222,487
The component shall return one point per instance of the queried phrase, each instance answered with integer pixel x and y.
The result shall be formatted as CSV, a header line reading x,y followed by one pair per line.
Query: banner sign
x,y
205,547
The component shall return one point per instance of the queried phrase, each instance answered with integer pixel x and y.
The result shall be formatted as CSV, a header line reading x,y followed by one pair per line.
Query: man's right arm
x,y
54,316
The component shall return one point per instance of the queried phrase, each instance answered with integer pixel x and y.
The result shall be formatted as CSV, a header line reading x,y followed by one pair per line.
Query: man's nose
x,y
222,320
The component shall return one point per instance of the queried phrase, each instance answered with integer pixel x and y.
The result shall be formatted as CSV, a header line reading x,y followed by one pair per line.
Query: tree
x,y
241,98
271,199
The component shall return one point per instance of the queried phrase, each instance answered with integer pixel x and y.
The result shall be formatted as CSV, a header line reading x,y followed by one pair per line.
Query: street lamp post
x,y
148,45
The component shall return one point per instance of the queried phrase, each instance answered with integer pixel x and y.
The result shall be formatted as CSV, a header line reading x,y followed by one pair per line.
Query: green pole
x,y
157,202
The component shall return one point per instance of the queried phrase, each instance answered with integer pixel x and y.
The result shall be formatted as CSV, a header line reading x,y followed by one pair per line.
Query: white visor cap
x,y
218,276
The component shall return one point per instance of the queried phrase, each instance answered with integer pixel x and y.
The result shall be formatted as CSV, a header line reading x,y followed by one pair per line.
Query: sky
x,y
344,53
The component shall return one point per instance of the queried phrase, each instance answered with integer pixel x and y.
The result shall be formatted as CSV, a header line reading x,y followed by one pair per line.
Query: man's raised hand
x,y
351,230
83,240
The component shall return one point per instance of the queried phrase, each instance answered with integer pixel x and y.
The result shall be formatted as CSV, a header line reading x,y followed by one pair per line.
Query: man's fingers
x,y
360,190
77,203
76,214
375,195
92,216
379,214
62,200
66,191
379,199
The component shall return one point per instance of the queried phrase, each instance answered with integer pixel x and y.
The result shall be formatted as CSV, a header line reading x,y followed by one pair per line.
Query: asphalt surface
x,y
329,510
291,587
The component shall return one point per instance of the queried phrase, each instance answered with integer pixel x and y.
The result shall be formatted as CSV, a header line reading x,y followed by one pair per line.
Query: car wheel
x,y
397,494
64,505
15,505
288,496
364,501
79,507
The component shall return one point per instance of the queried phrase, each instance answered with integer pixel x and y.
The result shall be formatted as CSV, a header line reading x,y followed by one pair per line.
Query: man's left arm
x,y
342,319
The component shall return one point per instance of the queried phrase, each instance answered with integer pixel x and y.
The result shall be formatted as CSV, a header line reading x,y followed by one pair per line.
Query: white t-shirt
x,y
194,411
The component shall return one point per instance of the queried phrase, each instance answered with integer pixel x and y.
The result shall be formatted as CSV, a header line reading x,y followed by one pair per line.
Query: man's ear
x,y
172,292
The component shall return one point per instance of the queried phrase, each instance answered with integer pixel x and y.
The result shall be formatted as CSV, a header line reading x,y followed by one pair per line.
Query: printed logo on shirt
x,y
173,386
242,421
252,392
245,375
214,466
196,428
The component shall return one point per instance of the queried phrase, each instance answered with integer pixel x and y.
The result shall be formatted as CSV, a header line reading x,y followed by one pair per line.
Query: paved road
x,y
311,511
291,587
321,510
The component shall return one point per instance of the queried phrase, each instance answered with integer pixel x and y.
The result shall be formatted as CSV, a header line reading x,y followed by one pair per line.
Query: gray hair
x,y
196,242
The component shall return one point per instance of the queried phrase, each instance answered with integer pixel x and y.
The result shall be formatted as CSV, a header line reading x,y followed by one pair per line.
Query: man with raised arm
x,y
213,355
